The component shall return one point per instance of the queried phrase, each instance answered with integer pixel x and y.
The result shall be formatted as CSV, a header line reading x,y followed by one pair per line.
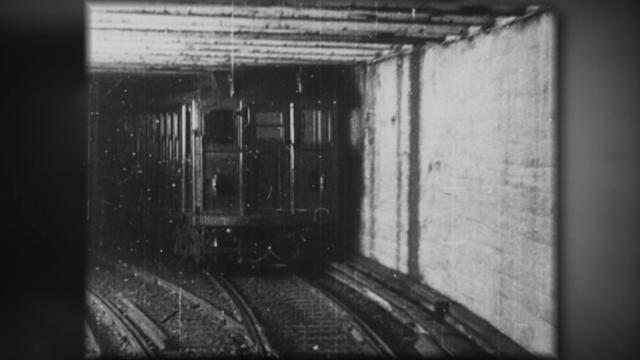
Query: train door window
x,y
188,133
172,146
220,130
167,137
163,135
269,126
139,135
187,157
160,122
128,135
156,139
161,138
176,136
316,127
151,131
178,121
160,133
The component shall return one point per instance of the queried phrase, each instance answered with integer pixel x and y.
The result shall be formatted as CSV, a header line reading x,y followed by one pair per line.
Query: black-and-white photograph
x,y
321,179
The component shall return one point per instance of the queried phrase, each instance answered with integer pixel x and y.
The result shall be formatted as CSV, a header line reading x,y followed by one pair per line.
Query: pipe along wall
x,y
458,153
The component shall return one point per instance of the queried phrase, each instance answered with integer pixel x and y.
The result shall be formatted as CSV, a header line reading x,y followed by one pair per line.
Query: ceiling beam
x,y
164,22
202,38
188,44
218,58
467,7
410,16
180,48
145,68
378,38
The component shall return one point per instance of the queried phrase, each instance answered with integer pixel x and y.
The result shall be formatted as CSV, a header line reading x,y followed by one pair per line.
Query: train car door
x,y
267,158
316,159
221,154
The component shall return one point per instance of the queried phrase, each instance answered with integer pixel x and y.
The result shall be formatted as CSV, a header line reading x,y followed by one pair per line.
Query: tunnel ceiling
x,y
189,36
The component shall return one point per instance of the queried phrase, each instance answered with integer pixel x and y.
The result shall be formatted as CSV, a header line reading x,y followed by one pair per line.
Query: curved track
x,y
434,338
247,316
92,349
302,320
133,342
267,314
202,290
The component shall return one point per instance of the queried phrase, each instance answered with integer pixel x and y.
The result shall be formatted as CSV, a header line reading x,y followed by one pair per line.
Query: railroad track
x,y
300,319
247,317
434,338
272,314
209,297
126,334
92,349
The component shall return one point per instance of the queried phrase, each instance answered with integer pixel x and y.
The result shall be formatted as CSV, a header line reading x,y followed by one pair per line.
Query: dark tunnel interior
x,y
122,222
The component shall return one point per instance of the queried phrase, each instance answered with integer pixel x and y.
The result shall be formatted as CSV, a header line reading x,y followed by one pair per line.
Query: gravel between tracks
x,y
192,331
299,319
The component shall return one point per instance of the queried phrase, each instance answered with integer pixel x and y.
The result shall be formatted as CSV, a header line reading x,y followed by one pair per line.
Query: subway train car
x,y
244,168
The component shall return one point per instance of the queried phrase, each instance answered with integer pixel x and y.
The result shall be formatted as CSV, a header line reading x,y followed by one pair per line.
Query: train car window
x,y
219,129
269,126
269,118
316,127
269,133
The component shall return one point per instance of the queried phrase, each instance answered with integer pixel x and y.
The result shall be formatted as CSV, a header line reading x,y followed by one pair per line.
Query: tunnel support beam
x,y
414,163
92,158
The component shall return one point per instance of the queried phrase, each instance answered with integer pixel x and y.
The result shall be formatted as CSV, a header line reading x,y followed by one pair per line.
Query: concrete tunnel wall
x,y
458,168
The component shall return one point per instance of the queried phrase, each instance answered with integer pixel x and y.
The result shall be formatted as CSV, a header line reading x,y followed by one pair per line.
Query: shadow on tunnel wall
x,y
350,167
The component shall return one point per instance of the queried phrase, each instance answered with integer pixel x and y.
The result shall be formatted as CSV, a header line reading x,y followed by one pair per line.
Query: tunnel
x,y
321,179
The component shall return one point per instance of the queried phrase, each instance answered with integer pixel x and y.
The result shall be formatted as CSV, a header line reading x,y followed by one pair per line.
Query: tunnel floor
x,y
148,302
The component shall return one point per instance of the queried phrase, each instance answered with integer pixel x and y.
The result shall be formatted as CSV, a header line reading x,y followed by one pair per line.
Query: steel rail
x,y
230,322
427,345
121,323
91,345
370,337
248,318
151,330
450,319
